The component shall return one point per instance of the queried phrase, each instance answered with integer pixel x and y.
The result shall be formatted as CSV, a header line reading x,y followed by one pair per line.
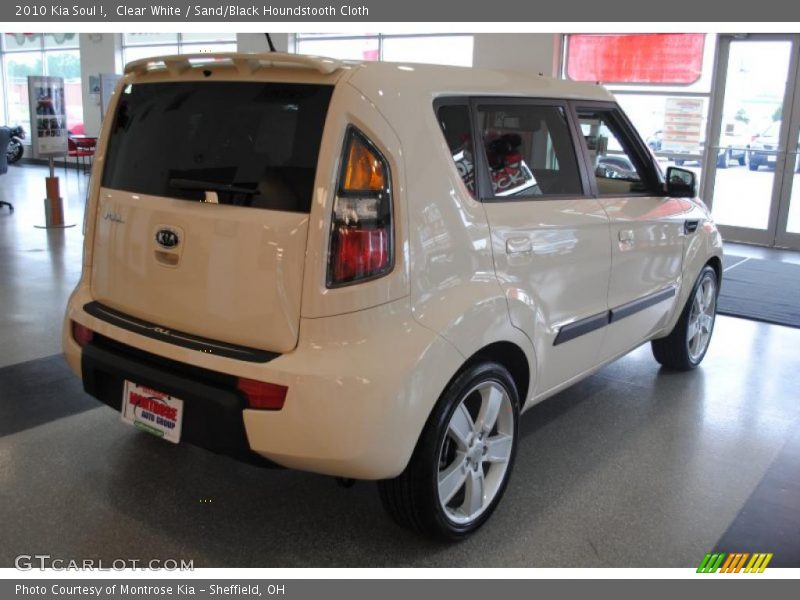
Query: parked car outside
x,y
764,147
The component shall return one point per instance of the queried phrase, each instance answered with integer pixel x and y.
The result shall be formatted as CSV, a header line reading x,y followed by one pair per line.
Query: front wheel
x,y
463,459
685,347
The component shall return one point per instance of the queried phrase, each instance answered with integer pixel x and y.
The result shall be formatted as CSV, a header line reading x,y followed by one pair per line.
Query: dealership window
x,y
455,49
662,81
53,54
145,45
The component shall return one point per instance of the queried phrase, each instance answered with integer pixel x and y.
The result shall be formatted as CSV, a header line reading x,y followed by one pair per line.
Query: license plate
x,y
770,159
152,411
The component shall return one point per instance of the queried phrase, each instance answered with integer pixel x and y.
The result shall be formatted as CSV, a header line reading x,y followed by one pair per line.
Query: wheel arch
x,y
509,355
715,263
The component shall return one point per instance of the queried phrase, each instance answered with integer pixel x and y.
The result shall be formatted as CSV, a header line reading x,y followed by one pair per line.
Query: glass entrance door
x,y
751,162
788,234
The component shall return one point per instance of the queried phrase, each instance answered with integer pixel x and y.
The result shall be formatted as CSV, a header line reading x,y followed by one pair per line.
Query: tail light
x,y
262,395
81,334
362,237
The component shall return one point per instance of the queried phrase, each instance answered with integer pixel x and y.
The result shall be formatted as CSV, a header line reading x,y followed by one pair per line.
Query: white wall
x,y
100,53
528,52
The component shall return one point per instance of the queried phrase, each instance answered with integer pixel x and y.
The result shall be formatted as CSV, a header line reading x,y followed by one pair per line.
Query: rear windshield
x,y
241,143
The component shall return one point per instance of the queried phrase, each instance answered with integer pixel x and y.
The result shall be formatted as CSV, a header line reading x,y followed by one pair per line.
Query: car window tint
x,y
454,121
529,151
614,165
248,144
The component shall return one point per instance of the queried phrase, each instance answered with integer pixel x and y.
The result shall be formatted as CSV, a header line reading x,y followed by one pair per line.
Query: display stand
x,y
53,203
49,138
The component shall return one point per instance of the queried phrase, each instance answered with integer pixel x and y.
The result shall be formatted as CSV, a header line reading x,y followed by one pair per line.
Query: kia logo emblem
x,y
167,238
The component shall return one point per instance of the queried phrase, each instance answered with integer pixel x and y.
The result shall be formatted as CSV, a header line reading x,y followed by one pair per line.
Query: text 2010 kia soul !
x,y
371,270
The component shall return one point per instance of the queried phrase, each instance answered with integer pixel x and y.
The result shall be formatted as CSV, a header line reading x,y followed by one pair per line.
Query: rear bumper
x,y
360,388
212,415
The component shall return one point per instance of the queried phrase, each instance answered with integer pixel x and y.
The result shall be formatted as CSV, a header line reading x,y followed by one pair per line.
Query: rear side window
x,y
240,143
529,151
454,121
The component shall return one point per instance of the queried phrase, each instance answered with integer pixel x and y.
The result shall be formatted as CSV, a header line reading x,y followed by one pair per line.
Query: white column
x,y
526,52
100,53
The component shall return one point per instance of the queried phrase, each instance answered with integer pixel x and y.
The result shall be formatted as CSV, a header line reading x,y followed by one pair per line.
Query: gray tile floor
x,y
634,466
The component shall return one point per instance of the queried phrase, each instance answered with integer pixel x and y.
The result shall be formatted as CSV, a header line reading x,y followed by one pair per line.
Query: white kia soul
x,y
371,270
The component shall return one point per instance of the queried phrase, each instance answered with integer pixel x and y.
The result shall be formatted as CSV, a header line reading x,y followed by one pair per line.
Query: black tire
x,y
412,498
723,159
674,351
742,160
15,151
754,164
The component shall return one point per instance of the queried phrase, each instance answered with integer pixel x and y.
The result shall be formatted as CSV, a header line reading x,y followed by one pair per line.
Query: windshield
x,y
242,143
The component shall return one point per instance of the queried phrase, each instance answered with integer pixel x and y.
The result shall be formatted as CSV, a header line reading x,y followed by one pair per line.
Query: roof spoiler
x,y
246,64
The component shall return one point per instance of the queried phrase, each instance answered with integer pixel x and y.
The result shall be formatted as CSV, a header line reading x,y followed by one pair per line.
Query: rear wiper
x,y
210,186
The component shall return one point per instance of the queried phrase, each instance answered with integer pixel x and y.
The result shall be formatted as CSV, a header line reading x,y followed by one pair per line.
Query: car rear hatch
x,y
204,206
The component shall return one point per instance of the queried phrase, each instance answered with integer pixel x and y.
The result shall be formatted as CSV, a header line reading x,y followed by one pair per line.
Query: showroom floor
x,y
632,467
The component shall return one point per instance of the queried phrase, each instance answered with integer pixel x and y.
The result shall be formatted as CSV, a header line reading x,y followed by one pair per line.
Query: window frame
x,y
43,51
179,43
482,178
641,155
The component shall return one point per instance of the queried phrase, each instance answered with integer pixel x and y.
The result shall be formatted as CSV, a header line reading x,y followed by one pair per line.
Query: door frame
x,y
774,234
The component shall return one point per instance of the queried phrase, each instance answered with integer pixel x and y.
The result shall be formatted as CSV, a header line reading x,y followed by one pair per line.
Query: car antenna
x,y
270,44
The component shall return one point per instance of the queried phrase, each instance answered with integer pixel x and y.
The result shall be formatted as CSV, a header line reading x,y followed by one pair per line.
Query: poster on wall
x,y
48,115
683,125
108,81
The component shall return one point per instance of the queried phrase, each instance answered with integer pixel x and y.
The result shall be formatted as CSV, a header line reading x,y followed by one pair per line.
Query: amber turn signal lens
x,y
364,170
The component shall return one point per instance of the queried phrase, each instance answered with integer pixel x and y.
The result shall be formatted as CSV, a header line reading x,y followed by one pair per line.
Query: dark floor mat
x,y
769,522
35,392
761,290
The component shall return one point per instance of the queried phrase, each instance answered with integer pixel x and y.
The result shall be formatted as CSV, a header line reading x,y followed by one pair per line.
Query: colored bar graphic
x,y
703,563
735,562
765,563
726,566
741,562
749,567
719,562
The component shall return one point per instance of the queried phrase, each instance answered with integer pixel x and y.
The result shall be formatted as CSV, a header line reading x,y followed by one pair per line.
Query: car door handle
x,y
690,226
626,235
518,245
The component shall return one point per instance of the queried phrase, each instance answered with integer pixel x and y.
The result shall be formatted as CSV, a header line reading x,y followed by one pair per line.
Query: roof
x,y
439,80
423,79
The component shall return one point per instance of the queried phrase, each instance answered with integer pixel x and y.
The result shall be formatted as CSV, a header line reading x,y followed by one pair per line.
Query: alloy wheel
x,y
701,319
475,452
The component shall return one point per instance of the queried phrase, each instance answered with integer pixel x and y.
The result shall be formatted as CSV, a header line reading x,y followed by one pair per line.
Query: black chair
x,y
5,137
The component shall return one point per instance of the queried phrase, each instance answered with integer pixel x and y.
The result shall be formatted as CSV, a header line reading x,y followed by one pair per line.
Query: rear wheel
x,y
723,159
463,459
685,347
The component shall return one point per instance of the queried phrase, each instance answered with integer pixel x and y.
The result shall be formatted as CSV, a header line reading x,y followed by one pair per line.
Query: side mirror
x,y
681,183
